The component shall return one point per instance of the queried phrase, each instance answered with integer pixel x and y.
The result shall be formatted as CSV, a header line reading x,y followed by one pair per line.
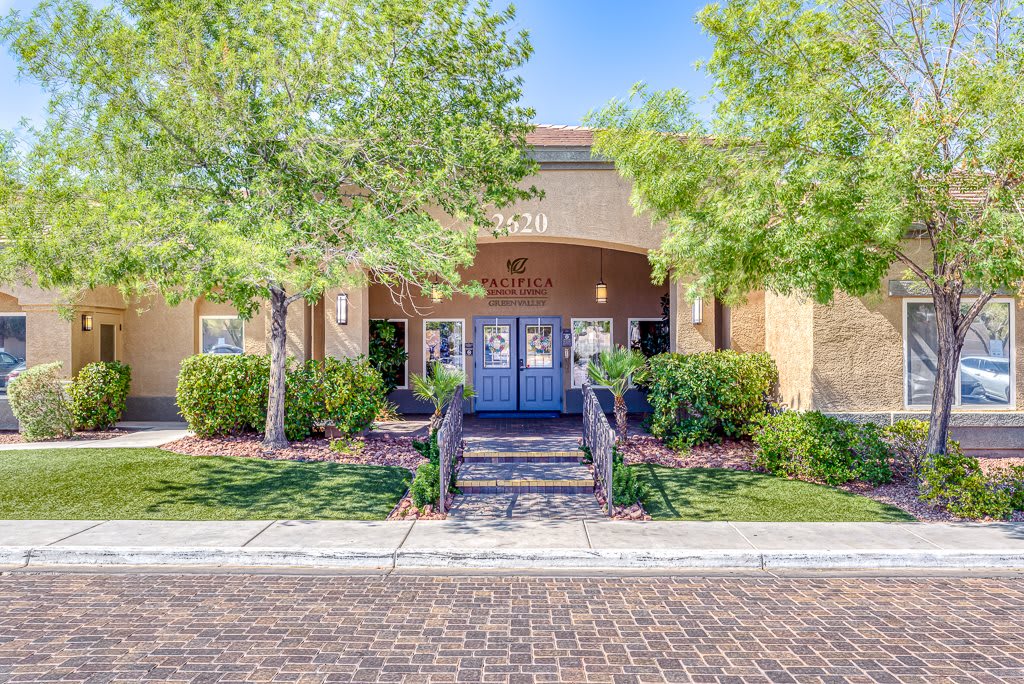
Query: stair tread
x,y
524,471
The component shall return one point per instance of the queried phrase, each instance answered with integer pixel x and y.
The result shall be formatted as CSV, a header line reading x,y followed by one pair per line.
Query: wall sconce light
x,y
86,323
698,311
435,294
343,309
601,290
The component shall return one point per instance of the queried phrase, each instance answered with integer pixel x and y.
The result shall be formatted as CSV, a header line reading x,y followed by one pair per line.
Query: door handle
x,y
522,364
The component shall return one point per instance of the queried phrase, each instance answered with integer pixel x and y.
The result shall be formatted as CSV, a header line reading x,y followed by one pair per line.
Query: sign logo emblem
x,y
516,266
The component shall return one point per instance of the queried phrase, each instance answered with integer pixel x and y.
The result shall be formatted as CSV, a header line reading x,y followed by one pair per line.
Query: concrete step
x,y
516,506
522,456
525,478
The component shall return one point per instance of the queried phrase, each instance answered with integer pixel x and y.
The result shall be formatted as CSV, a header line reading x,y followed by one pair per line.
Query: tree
x,y
619,370
265,152
438,387
847,134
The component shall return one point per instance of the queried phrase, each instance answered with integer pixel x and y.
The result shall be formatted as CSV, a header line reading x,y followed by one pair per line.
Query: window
x,y
986,374
12,346
648,335
590,337
400,342
222,335
444,342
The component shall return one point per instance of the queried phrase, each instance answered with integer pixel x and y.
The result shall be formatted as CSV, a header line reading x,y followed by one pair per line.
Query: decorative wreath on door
x,y
497,343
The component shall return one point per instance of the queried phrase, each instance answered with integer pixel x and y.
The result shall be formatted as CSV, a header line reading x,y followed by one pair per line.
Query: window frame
x,y
405,343
572,350
423,341
221,317
957,398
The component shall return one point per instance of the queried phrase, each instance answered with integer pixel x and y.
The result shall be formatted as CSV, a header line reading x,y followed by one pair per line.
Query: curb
x,y
526,559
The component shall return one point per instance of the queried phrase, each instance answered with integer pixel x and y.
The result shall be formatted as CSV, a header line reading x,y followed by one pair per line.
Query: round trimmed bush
x,y
99,393
40,402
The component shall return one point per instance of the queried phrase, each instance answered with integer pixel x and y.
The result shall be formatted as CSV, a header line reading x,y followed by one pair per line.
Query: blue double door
x,y
518,363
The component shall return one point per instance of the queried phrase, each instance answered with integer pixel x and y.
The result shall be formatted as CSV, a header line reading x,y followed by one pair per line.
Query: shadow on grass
x,y
250,488
722,494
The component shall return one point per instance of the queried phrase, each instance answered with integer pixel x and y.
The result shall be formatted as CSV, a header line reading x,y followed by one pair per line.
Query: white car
x,y
985,377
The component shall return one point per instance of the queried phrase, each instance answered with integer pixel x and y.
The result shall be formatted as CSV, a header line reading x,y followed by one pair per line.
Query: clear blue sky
x,y
585,53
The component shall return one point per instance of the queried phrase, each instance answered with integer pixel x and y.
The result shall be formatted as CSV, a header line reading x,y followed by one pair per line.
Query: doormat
x,y
518,415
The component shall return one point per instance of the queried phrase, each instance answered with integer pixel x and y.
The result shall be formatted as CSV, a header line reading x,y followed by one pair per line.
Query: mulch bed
x,y
15,437
380,450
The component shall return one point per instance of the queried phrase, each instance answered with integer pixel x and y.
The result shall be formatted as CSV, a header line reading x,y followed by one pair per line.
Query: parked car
x,y
985,377
224,349
10,366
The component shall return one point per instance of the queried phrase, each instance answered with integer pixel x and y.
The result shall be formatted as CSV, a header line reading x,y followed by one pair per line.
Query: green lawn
x,y
151,484
719,494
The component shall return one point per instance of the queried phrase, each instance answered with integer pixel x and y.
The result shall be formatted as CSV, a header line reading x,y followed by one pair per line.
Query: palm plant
x,y
619,370
438,387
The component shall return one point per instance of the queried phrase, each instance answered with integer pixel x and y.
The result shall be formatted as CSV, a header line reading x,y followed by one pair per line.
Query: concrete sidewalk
x,y
142,435
540,545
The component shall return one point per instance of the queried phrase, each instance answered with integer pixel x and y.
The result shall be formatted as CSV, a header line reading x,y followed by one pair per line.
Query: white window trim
x,y
957,399
221,318
423,340
406,342
629,327
572,351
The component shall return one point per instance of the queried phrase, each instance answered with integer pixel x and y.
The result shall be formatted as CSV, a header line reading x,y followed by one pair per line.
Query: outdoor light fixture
x,y
601,290
435,294
343,309
86,323
698,311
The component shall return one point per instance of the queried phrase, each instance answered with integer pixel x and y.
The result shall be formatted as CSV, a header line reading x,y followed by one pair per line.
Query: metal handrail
x,y
599,438
449,444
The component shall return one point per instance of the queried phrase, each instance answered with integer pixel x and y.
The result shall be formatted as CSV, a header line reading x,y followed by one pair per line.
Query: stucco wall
x,y
789,328
156,339
573,269
747,324
691,337
353,338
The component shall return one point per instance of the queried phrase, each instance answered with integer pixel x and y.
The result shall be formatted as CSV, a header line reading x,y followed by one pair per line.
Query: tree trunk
x,y
435,421
621,417
950,343
274,437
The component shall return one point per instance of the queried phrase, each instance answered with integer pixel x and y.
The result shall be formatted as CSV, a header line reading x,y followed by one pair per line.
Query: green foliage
x,y
699,398
428,448
849,138
225,394
908,441
40,403
811,445
387,352
426,486
627,489
956,482
438,387
251,151
99,393
588,455
1011,481
618,369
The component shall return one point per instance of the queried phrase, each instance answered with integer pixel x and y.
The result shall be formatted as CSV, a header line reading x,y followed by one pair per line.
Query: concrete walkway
x,y
566,545
141,435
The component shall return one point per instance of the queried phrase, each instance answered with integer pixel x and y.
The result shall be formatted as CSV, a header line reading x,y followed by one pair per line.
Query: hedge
x,y
699,398
225,394
99,393
40,402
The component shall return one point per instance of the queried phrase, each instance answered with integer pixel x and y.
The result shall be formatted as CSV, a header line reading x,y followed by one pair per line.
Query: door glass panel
x,y
106,343
497,346
540,346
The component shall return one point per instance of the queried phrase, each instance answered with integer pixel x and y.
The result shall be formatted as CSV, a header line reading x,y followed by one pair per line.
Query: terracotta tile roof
x,y
546,135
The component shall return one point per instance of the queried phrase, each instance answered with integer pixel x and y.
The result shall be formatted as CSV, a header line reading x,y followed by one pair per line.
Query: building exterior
x,y
524,346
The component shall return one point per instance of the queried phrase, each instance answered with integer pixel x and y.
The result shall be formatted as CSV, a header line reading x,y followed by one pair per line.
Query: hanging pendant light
x,y
435,293
601,290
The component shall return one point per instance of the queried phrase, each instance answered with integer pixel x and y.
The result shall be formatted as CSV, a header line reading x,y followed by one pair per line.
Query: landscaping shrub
x,y
387,352
428,448
908,442
99,393
626,486
40,403
956,482
426,486
699,398
223,394
1011,481
811,445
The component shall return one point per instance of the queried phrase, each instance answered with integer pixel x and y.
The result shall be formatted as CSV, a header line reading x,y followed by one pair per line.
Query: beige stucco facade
x,y
846,357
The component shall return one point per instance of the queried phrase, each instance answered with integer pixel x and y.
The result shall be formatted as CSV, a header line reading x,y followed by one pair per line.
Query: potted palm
x,y
438,387
619,370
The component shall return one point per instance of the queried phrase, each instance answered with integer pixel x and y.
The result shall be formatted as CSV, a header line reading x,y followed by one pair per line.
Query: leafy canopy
x,y
842,128
221,148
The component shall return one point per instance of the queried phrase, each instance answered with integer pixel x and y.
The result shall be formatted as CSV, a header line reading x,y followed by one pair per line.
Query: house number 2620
x,y
522,223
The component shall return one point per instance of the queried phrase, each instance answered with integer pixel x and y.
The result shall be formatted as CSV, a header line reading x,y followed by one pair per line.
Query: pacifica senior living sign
x,y
516,288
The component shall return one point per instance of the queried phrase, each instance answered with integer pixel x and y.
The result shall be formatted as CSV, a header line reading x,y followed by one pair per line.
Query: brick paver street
x,y
234,628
